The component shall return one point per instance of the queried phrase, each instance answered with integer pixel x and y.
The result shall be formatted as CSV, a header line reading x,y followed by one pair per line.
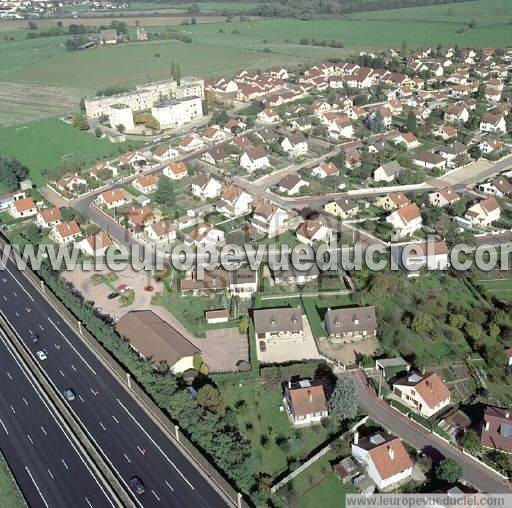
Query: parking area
x,y
223,348
290,351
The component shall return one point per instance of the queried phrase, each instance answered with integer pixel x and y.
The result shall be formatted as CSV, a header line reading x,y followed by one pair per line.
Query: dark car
x,y
137,485
111,296
34,338
263,346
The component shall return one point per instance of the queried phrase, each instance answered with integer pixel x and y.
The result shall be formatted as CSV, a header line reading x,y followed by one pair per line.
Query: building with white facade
x,y
177,112
121,114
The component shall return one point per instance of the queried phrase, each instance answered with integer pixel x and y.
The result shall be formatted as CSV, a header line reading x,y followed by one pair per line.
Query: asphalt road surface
x,y
131,442
43,457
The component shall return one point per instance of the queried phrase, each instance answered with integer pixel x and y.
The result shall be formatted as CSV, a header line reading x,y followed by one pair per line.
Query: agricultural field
x,y
203,6
45,143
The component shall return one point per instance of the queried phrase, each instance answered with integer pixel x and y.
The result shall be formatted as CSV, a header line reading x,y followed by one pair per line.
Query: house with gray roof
x,y
351,324
280,324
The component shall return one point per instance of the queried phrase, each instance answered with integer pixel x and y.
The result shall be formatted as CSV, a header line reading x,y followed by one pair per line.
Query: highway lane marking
x,y
57,346
73,367
89,503
44,431
141,450
41,326
17,314
30,331
25,401
59,425
37,487
19,283
14,293
154,493
169,485
156,445
5,297
9,376
12,409
50,473
126,457
93,391
81,398
3,425
30,439
103,426
115,419
62,373
65,465
72,347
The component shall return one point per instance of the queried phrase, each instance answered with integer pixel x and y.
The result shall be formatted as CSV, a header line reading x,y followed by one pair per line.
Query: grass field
x,y
44,142
203,6
500,288
9,491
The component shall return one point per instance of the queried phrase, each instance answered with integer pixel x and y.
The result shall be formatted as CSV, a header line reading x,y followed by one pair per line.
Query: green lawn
x,y
261,416
500,288
46,142
9,491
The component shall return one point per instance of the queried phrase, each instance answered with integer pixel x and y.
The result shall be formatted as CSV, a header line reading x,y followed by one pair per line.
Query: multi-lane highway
x,y
130,441
43,456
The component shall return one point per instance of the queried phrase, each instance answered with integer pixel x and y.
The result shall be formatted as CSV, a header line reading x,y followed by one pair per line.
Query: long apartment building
x,y
146,96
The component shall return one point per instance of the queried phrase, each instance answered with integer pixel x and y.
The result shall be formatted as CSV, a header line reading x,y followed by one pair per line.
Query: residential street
x,y
397,423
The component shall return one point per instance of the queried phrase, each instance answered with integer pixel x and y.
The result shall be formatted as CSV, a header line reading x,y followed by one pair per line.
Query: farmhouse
x,y
351,324
280,324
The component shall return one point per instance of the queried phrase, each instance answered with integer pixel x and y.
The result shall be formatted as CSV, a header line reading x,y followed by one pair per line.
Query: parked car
x,y
34,338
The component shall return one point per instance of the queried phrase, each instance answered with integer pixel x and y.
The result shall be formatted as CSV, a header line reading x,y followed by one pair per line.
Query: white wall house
x,y
121,115
254,159
405,220
205,187
295,144
21,208
177,112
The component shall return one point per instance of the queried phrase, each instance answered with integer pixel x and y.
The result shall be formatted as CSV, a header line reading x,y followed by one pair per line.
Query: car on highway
x,y
34,338
41,354
111,296
69,394
137,485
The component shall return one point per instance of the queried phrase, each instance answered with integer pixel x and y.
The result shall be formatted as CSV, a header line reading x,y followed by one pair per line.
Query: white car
x,y
42,355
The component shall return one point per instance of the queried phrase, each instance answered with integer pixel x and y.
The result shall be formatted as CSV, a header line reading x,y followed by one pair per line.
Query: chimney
x,y
356,437
391,453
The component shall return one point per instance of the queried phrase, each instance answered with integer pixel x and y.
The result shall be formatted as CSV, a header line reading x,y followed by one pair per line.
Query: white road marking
x,y
30,331
19,283
5,297
103,426
57,346
17,314
169,485
81,398
93,392
44,431
156,445
3,425
65,465
72,347
12,409
9,375
154,493
89,503
30,439
28,309
62,373
41,326
50,473
126,457
14,293
36,486
115,419
25,401
73,367
141,450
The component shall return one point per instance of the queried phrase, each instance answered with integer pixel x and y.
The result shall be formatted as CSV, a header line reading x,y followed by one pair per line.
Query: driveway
x,y
397,423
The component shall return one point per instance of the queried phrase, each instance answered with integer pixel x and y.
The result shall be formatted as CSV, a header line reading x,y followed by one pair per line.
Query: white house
x,y
145,184
205,187
164,153
163,231
190,143
405,220
484,213
493,123
291,184
253,159
96,245
305,402
295,144
325,169
488,146
66,232
176,170
71,182
48,218
21,208
387,172
425,393
432,255
234,202
112,198
443,197
204,234
311,232
458,113
268,116
384,457
269,220
499,187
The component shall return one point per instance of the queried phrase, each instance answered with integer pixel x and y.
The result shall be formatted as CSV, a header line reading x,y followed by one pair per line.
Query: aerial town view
x,y
255,253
